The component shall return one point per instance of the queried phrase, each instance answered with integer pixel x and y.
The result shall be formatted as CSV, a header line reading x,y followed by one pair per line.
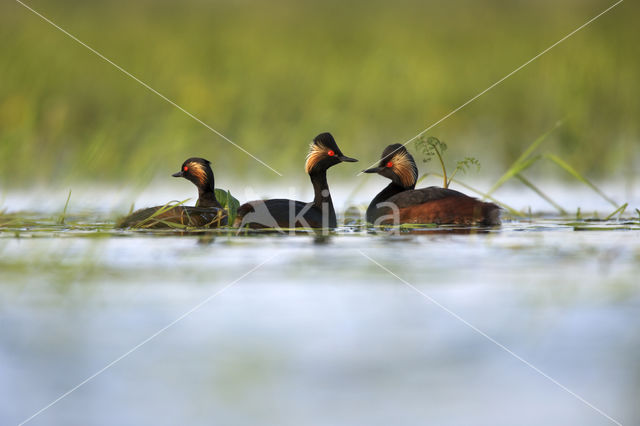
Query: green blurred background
x,y
271,75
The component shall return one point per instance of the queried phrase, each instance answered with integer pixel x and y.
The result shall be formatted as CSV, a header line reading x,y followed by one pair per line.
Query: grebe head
x,y
198,171
324,153
398,165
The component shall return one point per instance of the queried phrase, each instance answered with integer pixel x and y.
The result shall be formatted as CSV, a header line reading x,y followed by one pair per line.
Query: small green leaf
x,y
229,203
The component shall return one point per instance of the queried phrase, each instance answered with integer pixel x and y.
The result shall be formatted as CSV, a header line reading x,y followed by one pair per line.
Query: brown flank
x,y
451,210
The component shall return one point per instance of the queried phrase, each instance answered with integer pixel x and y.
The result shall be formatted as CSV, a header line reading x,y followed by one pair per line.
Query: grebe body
x,y
400,203
207,213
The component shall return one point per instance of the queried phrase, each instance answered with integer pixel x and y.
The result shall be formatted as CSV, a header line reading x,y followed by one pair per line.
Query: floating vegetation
x,y
25,224
606,228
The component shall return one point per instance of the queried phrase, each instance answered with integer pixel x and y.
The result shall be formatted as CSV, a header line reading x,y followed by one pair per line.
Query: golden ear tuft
x,y
403,168
316,152
200,173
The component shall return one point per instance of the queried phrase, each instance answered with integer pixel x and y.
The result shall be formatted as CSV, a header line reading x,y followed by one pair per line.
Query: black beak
x,y
374,170
347,159
179,174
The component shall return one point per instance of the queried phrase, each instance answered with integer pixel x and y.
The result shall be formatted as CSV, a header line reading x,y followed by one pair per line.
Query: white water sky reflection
x,y
118,200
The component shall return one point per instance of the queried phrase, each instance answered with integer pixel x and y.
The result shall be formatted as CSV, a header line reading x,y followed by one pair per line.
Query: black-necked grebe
x,y
426,205
282,213
207,213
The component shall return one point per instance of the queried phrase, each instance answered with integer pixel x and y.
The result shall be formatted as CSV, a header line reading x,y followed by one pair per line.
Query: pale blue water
x,y
320,335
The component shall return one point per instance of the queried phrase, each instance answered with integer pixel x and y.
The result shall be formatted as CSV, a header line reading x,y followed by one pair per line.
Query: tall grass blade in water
x,y
518,164
573,172
542,195
514,171
64,211
525,160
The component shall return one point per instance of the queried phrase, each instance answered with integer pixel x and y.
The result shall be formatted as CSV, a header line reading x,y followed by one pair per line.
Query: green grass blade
x,y
540,193
168,206
573,172
620,210
64,211
515,169
527,152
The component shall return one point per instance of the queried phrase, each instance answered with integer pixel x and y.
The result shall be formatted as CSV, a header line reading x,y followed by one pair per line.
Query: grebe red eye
x,y
185,168
389,164
331,153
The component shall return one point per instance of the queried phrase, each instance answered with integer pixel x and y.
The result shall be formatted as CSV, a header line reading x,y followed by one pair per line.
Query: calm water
x,y
318,333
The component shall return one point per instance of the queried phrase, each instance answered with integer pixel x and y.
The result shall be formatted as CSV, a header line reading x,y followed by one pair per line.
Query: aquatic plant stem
x,y
444,169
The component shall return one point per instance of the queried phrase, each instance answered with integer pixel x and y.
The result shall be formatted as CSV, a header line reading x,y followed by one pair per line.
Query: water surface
x,y
318,333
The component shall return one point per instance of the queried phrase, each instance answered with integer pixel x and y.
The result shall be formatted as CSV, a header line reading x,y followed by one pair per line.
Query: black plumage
x,y
283,213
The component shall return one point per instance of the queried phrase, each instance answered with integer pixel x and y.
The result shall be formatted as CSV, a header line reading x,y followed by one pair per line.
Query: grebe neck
x,y
207,196
388,192
322,198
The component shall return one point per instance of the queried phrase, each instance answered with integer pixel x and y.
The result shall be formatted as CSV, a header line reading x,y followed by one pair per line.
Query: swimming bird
x,y
402,203
207,213
283,213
